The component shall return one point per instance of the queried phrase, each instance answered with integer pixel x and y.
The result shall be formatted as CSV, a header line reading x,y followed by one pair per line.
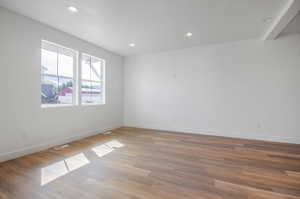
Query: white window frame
x,y
60,48
103,80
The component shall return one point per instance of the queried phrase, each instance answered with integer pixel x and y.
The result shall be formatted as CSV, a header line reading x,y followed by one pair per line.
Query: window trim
x,y
75,55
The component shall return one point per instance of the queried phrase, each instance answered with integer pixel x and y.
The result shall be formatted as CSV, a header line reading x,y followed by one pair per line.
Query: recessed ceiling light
x,y
132,45
189,34
72,9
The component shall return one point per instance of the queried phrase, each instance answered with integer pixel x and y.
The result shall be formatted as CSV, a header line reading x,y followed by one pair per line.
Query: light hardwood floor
x,y
135,163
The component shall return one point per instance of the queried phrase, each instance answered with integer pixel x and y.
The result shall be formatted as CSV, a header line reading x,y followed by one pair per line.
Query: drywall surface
x,y
26,127
247,89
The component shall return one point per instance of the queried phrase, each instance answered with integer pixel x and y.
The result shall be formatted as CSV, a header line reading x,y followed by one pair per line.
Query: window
x,y
58,68
60,75
92,80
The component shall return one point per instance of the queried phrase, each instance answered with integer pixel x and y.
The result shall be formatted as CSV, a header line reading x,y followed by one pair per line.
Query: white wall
x,y
248,89
26,127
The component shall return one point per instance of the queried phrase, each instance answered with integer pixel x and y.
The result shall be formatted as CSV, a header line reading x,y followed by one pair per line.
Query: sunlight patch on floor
x,y
106,148
61,168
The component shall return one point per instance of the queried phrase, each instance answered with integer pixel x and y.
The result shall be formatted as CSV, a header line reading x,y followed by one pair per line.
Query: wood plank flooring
x,y
132,163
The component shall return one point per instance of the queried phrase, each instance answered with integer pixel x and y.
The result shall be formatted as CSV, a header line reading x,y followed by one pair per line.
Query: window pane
x,y
57,67
92,77
65,65
85,67
49,62
96,93
91,92
96,70
65,90
49,89
86,92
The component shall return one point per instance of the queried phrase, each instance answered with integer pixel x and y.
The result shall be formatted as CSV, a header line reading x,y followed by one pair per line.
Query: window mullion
x,y
78,78
57,62
90,78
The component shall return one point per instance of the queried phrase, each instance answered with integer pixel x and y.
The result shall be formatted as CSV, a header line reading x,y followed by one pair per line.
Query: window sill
x,y
57,105
67,105
92,104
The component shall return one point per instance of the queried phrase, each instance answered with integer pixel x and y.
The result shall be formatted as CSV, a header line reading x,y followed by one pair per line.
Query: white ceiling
x,y
153,25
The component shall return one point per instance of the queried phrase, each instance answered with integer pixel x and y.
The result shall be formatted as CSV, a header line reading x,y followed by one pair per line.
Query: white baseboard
x,y
39,147
291,140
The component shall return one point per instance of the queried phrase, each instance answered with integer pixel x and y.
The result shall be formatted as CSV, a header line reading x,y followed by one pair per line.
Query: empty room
x,y
150,99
